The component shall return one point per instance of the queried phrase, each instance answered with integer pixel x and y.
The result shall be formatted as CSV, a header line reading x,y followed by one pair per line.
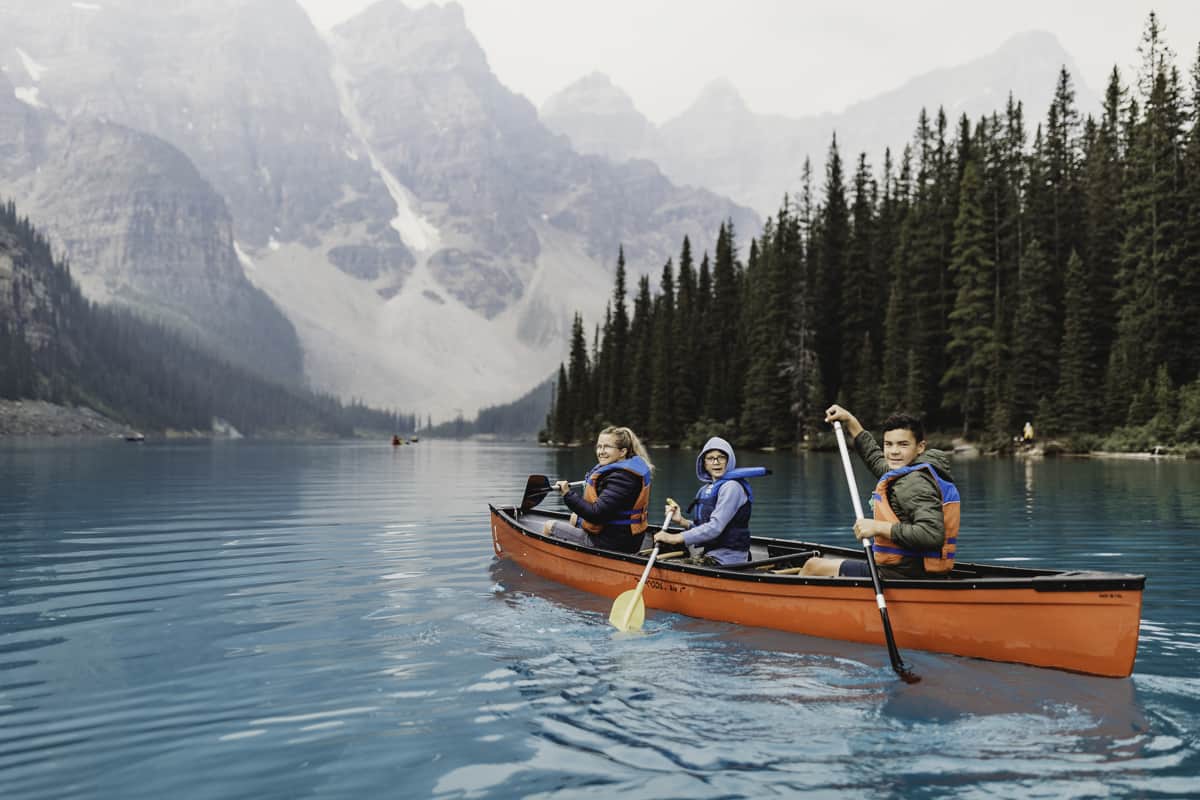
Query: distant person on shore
x,y
720,526
612,512
915,503
1027,433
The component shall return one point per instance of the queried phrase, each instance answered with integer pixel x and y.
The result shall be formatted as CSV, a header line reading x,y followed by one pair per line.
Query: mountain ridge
x,y
719,143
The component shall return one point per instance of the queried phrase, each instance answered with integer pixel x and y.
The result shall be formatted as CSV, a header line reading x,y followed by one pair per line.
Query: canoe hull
x,y
1091,629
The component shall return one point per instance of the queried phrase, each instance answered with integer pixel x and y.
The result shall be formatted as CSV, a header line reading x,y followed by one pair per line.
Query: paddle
x,y
902,669
628,611
536,489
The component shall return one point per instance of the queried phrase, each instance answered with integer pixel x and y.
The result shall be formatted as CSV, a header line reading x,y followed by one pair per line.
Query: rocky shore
x,y
39,418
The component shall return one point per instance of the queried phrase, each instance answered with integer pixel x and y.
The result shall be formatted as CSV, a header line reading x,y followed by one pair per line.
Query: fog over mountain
x,y
719,143
425,236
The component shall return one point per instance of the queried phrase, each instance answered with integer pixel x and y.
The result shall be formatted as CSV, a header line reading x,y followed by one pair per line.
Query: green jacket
x,y
917,502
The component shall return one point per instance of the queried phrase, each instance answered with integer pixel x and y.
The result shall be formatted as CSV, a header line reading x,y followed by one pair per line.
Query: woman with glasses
x,y
612,513
720,526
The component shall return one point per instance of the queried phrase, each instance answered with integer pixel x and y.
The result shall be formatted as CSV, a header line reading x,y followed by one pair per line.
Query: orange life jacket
x,y
636,518
888,552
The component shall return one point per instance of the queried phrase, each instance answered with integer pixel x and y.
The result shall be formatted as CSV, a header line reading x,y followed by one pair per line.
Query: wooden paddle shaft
x,y
637,594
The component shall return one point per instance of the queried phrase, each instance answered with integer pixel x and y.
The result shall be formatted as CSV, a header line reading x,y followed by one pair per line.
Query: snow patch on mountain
x,y
29,96
418,233
34,69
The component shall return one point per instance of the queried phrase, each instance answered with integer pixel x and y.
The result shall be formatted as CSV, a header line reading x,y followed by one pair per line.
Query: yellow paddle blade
x,y
628,611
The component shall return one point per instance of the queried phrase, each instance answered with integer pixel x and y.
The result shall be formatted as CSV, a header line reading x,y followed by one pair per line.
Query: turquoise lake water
x,y
328,620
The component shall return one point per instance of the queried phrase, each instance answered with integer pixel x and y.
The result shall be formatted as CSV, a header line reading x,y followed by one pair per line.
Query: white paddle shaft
x,y
841,440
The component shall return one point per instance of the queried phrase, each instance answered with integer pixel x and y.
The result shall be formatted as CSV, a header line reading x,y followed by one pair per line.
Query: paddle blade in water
x,y
628,611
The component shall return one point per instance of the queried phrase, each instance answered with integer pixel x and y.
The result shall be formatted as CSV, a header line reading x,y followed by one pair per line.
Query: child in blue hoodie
x,y
720,526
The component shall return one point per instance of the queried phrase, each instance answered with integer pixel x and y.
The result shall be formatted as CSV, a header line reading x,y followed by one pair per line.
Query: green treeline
x,y
991,275
55,345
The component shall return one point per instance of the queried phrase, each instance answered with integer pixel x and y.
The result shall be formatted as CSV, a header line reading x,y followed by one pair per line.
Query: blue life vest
x,y
736,535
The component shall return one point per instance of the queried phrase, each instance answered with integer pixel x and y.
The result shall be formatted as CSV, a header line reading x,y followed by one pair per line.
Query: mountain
x,y
599,118
425,234
144,230
57,346
719,143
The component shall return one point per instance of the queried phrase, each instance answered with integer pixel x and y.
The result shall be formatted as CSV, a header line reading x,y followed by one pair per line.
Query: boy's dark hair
x,y
906,421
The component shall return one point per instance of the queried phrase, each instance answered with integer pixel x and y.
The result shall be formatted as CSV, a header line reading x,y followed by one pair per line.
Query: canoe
x,y
1083,622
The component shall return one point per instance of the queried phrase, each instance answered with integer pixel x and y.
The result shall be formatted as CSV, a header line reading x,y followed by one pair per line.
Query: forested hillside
x,y
996,271
57,346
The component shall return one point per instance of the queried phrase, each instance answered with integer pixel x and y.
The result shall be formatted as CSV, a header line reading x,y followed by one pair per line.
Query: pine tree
x,y
832,252
1187,359
579,389
1035,358
897,340
722,398
687,367
755,425
1079,364
563,416
858,304
801,368
663,423
641,351
970,349
1151,327
1103,188
615,350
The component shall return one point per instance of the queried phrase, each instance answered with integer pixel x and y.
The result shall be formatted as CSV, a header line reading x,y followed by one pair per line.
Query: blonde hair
x,y
628,440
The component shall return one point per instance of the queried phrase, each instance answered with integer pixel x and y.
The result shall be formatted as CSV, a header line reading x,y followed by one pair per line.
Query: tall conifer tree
x,y
637,378
1035,357
663,424
970,349
831,254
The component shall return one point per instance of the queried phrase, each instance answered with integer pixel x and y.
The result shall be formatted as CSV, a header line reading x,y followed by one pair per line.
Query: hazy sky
x,y
793,57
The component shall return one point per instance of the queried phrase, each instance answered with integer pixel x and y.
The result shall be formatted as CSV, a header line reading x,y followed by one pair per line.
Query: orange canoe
x,y
1078,621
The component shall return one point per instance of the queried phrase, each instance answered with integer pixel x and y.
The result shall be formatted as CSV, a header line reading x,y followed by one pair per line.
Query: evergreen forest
x,y
55,345
996,271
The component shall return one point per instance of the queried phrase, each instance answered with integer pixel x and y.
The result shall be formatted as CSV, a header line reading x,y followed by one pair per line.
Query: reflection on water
x,y
276,620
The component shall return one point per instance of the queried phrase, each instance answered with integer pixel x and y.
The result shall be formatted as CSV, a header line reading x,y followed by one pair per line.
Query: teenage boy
x,y
915,504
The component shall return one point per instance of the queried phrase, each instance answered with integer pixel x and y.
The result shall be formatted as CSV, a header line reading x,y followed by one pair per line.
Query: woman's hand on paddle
x,y
563,487
836,413
865,528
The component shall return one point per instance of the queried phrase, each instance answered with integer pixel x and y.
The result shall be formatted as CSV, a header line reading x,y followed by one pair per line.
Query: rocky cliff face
x,y
485,166
24,297
141,227
242,88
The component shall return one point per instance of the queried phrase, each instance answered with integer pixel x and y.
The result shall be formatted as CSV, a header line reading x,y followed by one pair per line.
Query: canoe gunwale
x,y
1041,580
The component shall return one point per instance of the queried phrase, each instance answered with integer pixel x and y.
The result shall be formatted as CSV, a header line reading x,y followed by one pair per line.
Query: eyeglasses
x,y
715,459
607,447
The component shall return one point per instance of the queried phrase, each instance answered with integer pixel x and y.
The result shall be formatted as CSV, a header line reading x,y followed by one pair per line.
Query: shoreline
x,y
27,419
35,419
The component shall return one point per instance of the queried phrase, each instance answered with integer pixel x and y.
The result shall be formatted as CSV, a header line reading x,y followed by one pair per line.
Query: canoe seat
x,y
786,560
663,556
